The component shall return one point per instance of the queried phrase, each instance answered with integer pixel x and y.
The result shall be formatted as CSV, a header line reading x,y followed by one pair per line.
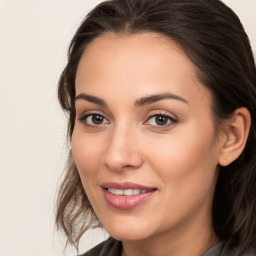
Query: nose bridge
x,y
122,150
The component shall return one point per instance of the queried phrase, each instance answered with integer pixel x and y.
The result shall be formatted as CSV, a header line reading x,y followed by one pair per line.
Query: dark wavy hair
x,y
213,38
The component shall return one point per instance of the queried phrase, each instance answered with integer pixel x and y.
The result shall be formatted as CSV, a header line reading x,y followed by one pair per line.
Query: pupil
x,y
97,119
161,120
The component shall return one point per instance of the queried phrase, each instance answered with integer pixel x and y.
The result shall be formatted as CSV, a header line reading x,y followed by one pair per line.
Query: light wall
x,y
34,36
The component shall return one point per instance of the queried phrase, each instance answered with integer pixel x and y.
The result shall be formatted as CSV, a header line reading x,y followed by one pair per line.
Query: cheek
x,y
187,169
187,157
87,153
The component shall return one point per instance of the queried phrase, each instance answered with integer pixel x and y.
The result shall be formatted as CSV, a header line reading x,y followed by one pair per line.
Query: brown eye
x,y
97,119
94,119
161,120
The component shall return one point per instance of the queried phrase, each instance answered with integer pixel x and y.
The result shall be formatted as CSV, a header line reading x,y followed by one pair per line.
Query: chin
x,y
130,235
129,229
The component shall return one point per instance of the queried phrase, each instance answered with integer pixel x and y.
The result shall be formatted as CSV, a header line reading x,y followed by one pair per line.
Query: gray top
x,y
112,247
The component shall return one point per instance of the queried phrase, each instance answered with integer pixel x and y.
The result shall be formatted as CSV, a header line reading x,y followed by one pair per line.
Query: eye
x,y
161,120
94,119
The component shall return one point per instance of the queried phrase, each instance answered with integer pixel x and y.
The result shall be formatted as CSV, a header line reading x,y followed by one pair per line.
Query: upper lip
x,y
126,185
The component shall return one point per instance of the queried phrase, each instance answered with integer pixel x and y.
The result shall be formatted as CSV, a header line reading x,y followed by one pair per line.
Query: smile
x,y
125,196
126,192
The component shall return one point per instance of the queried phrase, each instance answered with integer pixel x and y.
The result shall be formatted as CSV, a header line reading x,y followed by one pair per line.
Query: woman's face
x,y
144,140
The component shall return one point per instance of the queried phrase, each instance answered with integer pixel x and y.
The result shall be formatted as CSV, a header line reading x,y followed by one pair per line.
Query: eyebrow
x,y
157,97
138,103
91,99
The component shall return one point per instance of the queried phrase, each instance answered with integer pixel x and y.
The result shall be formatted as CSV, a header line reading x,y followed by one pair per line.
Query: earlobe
x,y
235,137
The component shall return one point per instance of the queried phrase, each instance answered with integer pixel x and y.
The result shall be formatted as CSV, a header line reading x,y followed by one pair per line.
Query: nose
x,y
123,150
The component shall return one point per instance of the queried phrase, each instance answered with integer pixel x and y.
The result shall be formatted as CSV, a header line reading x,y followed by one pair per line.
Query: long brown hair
x,y
212,36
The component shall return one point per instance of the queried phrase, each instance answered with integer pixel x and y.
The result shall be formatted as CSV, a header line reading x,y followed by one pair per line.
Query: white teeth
x,y
126,192
135,191
119,192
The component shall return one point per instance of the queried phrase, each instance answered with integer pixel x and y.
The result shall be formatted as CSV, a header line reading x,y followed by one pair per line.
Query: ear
x,y
235,136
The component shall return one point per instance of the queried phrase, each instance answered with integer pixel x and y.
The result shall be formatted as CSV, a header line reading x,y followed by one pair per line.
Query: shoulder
x,y
229,250
110,247
225,248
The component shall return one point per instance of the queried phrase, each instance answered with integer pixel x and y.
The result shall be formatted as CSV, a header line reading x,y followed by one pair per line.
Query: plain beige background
x,y
33,44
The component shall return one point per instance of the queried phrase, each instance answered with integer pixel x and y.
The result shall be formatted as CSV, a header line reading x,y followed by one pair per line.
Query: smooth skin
x,y
142,116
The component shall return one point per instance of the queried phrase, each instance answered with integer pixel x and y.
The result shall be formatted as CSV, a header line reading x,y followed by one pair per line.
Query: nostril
x,y
120,158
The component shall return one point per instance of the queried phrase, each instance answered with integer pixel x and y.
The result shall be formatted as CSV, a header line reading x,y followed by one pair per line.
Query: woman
x,y
160,96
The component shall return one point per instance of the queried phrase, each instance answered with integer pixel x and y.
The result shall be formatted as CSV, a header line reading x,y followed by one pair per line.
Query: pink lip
x,y
126,202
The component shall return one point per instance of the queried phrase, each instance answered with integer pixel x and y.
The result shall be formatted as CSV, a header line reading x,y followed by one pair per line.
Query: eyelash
x,y
171,121
84,120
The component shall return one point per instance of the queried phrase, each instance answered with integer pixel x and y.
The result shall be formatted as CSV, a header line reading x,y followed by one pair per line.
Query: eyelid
x,y
88,115
173,119
90,112
83,119
161,113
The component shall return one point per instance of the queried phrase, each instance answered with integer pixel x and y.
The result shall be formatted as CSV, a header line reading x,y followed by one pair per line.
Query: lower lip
x,y
126,202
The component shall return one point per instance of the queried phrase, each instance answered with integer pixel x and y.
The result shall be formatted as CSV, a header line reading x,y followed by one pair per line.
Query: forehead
x,y
136,62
